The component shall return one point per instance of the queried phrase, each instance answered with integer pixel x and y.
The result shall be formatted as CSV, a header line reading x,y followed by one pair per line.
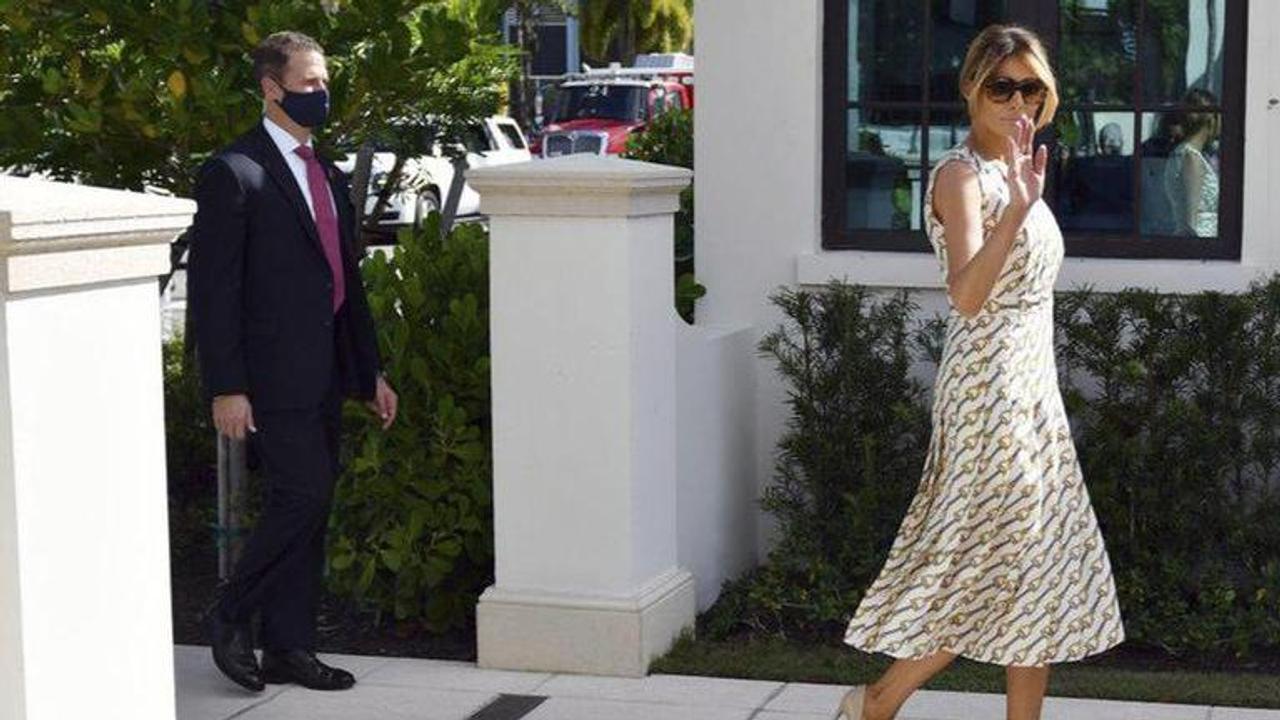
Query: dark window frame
x,y
1043,16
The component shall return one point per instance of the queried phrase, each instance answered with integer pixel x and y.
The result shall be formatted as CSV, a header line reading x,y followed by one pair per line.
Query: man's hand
x,y
233,416
384,402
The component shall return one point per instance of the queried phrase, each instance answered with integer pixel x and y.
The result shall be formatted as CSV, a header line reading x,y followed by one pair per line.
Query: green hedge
x,y
1180,443
411,535
191,463
1173,402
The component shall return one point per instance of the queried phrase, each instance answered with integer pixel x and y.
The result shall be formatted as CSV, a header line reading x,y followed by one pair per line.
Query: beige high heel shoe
x,y
853,703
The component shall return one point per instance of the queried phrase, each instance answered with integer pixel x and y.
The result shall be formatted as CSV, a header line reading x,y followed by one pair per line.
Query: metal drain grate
x,y
508,707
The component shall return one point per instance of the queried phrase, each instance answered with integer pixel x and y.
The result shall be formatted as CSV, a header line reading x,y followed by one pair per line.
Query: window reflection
x,y
884,50
1096,55
882,171
1093,188
1182,47
955,24
947,128
1180,168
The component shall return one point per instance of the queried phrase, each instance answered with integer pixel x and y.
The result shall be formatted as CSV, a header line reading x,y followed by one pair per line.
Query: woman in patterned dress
x,y
999,557
1190,180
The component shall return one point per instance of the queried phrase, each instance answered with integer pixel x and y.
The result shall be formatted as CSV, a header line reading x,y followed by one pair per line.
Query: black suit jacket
x,y
261,290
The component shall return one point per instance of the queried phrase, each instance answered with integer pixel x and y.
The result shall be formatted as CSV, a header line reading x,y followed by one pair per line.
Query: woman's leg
x,y
1024,690
886,695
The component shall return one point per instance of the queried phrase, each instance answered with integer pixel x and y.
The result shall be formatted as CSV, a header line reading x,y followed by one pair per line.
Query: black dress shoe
x,y
304,668
233,652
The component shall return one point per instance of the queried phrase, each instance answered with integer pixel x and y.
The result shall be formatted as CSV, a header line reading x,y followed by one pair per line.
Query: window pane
x,y
886,48
882,170
947,128
1092,185
1098,46
1182,48
1180,173
955,24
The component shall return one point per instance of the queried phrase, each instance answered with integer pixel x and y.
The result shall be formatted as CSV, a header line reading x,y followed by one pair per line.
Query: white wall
x,y
758,155
86,404
715,403
1262,137
758,194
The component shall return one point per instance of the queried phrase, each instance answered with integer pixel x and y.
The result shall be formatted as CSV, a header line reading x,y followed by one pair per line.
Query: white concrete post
x,y
584,443
85,624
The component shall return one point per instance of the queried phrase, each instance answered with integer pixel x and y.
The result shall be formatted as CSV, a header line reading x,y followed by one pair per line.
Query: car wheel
x,y
428,202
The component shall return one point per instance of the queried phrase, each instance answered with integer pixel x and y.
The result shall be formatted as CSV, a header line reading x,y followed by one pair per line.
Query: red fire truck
x,y
595,111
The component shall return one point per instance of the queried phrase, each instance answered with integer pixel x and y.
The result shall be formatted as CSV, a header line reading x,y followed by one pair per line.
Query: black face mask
x,y
309,109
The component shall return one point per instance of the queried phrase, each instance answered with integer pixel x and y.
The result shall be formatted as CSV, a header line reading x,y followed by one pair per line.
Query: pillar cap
x,y
580,185
55,234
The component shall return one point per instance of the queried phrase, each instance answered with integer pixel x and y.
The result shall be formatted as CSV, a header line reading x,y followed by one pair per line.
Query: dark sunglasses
x,y
1001,90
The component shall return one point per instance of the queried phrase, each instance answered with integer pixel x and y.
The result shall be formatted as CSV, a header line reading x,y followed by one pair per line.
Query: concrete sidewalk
x,y
407,689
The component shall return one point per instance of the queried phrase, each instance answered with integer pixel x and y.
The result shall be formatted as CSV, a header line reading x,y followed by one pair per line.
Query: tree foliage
x,y
130,93
634,26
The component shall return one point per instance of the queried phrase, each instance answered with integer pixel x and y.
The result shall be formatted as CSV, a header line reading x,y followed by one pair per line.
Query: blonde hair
x,y
994,45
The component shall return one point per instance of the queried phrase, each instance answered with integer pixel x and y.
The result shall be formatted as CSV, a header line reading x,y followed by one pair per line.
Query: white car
x,y
497,140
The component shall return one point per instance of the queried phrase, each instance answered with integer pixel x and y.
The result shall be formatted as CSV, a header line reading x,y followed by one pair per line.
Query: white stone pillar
x,y
584,444
85,624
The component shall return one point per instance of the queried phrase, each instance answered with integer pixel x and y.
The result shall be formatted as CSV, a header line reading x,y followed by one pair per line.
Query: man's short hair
x,y
272,54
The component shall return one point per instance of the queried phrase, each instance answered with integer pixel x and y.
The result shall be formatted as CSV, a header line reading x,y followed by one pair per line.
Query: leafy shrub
x,y
191,457
847,461
412,528
1176,405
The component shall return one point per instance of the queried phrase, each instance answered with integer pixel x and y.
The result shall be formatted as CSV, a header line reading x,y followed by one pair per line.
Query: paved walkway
x,y
406,689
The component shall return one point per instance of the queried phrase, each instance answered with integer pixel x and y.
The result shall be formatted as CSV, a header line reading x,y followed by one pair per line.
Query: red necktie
x,y
326,222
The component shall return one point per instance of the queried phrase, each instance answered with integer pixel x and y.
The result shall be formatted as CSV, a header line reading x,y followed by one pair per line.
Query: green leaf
x,y
419,371
52,81
391,559
366,576
450,547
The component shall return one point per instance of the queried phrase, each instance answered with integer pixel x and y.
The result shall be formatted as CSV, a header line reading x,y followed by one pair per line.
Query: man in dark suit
x,y
283,333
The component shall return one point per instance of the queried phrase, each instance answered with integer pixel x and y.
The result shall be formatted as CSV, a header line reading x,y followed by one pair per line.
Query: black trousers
x,y
280,571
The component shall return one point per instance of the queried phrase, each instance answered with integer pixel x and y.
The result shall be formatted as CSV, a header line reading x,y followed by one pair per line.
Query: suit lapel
x,y
279,171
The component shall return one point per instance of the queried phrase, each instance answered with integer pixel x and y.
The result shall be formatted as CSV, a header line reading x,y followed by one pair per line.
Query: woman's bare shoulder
x,y
955,183
955,173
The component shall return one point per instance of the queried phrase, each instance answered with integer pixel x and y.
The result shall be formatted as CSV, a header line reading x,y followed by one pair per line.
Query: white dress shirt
x,y
287,144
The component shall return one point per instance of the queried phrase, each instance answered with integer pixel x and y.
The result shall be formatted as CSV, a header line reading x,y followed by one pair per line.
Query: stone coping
x,y
580,185
55,234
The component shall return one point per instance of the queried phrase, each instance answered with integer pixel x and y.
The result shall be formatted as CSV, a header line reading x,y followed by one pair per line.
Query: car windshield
x,y
475,139
512,134
612,102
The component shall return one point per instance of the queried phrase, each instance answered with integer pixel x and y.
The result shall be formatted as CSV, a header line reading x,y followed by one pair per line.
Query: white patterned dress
x,y
999,558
